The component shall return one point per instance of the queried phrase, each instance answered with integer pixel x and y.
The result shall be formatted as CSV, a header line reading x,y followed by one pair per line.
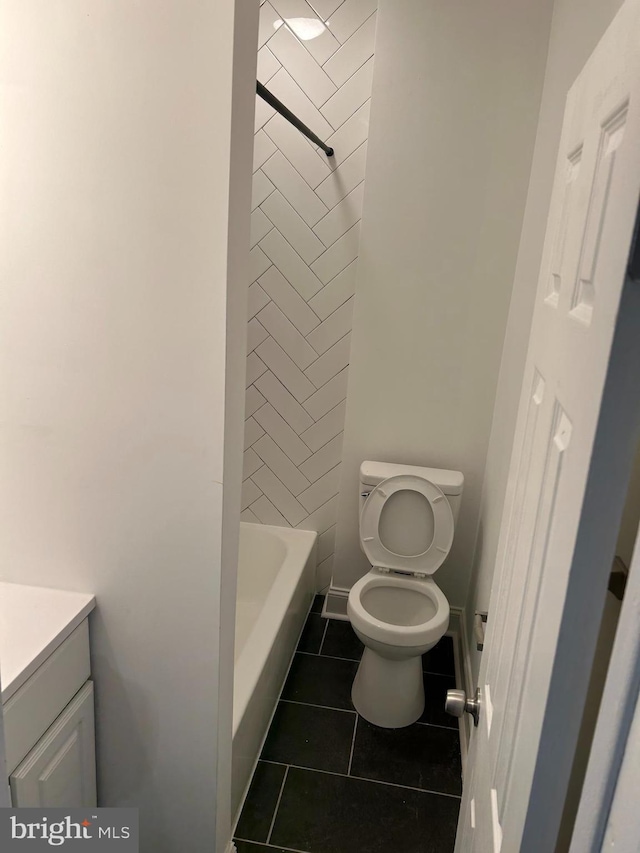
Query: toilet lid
x,y
429,560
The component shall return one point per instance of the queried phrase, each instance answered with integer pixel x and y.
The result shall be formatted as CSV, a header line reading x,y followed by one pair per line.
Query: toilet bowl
x,y
397,609
398,618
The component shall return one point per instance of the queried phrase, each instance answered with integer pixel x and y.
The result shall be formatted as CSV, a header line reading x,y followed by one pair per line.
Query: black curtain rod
x,y
278,106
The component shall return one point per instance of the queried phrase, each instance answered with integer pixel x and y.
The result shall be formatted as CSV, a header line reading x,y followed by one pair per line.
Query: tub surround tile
x,y
322,518
268,65
297,150
260,226
263,113
312,634
261,801
320,681
351,15
326,428
435,692
417,756
263,148
268,17
306,736
304,237
353,53
325,8
349,97
440,658
286,89
357,815
341,641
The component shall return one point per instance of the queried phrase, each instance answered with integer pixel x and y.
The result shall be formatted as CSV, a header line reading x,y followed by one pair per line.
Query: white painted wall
x,y
454,108
5,797
126,151
577,26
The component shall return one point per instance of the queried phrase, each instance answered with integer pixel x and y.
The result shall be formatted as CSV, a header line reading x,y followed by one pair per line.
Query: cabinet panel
x,y
60,770
30,711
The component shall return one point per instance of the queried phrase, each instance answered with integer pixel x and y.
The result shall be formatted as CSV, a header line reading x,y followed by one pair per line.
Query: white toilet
x,y
407,519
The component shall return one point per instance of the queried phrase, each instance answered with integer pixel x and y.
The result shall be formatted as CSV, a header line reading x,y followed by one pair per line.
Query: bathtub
x,y
276,585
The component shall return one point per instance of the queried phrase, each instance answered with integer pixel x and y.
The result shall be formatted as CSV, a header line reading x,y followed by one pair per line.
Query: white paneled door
x,y
551,573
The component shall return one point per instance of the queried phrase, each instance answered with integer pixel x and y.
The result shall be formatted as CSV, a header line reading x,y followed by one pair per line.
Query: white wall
x,y
455,100
125,221
576,29
5,798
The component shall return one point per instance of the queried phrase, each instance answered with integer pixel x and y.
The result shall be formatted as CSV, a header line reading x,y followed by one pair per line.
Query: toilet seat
x,y
428,561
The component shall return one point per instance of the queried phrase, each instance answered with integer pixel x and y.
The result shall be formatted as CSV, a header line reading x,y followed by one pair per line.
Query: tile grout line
x,y
329,657
353,743
275,811
313,189
322,707
324,634
268,846
350,711
364,779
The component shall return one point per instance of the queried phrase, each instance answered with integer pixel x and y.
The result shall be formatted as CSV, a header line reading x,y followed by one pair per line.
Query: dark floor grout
x,y
328,657
324,634
352,711
268,846
313,705
275,811
321,654
360,779
353,743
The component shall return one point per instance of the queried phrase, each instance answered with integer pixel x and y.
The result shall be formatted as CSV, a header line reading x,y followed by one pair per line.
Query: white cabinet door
x,y
60,771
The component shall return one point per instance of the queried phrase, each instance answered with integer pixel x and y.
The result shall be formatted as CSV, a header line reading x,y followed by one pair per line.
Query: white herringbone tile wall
x,y
305,226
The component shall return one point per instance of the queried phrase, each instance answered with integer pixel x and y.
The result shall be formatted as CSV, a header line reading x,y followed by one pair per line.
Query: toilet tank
x,y
450,482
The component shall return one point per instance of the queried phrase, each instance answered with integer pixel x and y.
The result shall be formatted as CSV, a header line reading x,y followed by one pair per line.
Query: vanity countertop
x,y
34,621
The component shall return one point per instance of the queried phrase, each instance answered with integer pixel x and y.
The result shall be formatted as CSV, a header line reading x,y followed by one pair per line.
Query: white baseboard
x,y
335,603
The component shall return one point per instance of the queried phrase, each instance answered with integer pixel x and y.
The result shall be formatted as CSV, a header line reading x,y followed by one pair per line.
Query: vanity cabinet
x,y
49,730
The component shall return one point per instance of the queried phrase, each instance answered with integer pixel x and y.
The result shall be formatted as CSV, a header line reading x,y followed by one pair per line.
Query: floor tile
x,y
440,658
357,815
318,738
251,847
435,693
320,681
312,634
418,756
318,603
341,641
260,804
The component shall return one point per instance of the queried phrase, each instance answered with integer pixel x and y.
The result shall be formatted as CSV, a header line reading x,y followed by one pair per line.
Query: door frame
x,y
619,711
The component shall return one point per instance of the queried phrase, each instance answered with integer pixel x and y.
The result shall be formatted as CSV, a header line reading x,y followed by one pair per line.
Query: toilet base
x,y
388,693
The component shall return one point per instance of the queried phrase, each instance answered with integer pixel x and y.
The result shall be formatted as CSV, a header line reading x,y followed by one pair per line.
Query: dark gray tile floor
x,y
330,782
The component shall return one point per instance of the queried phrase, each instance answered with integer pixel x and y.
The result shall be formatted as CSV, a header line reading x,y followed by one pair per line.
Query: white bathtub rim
x,y
299,545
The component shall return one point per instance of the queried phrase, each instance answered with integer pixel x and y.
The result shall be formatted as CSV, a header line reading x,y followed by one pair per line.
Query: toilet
x,y
407,520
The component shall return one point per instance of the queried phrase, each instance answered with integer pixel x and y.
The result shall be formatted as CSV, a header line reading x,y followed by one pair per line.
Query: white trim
x,y
464,678
339,595
602,797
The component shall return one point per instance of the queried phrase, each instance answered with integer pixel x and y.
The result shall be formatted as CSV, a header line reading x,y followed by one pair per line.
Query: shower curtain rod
x,y
277,105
